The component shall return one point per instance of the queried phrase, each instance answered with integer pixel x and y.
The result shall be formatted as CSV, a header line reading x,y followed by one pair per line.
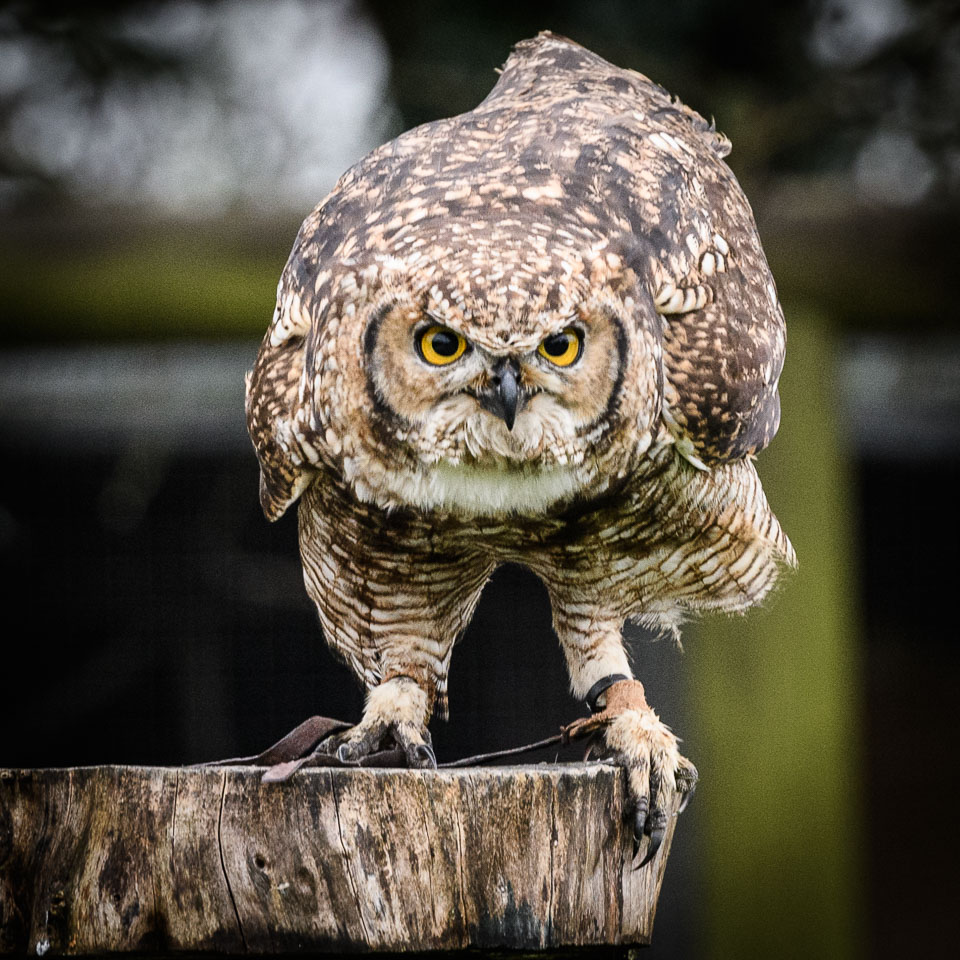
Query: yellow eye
x,y
562,348
441,345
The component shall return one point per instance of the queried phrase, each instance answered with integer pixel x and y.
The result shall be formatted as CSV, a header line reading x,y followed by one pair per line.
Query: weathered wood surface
x,y
153,860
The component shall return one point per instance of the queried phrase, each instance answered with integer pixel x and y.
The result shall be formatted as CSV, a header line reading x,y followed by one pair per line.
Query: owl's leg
x,y
659,779
396,714
392,595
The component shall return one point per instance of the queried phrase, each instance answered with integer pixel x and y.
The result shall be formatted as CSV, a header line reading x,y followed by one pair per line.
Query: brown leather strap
x,y
621,695
299,748
299,742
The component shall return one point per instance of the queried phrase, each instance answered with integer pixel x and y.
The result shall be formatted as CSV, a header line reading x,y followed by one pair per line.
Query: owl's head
x,y
505,398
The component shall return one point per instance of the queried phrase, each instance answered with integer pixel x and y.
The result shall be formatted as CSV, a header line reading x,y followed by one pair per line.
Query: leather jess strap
x,y
601,686
301,748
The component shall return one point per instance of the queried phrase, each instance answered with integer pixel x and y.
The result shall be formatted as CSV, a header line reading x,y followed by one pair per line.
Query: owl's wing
x,y
723,346
273,400
724,336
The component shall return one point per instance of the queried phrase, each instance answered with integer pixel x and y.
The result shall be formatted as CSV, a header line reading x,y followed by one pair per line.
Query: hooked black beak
x,y
503,396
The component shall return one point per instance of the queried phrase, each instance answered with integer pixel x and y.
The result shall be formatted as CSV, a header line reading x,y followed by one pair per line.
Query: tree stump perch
x,y
158,860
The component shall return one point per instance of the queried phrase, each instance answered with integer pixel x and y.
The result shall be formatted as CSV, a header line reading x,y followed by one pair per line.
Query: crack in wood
x,y
173,819
223,862
548,937
347,861
462,884
422,806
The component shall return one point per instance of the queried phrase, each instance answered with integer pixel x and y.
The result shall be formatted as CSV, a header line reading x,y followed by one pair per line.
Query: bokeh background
x,y
156,160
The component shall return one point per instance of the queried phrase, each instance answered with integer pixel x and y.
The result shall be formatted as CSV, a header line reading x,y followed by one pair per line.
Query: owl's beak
x,y
503,395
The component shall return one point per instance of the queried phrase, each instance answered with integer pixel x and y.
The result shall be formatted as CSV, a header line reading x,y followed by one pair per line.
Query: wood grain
x,y
208,859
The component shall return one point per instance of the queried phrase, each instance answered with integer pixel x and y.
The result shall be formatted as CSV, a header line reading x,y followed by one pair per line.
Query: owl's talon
x,y
635,738
655,826
422,757
639,824
353,745
656,840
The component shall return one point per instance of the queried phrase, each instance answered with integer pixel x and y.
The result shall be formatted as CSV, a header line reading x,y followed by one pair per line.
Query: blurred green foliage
x,y
778,694
163,287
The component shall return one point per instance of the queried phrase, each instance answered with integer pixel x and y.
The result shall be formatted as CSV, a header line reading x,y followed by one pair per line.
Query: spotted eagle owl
x,y
541,332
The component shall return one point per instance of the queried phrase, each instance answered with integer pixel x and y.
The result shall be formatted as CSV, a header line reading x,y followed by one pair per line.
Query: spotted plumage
x,y
544,332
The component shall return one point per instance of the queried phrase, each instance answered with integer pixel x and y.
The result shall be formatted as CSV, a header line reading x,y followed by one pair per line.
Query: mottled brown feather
x,y
574,190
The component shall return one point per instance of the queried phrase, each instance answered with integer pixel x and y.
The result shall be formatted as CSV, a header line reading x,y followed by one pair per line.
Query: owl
x,y
541,332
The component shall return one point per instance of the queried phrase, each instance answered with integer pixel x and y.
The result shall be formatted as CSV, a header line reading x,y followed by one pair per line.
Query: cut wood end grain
x,y
116,859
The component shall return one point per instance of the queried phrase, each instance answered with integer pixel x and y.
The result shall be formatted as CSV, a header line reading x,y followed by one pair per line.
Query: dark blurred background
x,y
156,160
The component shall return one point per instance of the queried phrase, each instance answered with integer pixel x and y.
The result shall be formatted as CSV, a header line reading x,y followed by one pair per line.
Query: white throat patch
x,y
492,490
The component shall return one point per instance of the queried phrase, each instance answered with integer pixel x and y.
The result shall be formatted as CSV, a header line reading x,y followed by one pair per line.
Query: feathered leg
x,y
392,605
633,735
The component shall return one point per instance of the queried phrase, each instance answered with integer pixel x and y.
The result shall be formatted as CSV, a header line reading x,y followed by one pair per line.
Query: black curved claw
x,y
656,839
655,823
656,829
421,757
353,751
639,823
